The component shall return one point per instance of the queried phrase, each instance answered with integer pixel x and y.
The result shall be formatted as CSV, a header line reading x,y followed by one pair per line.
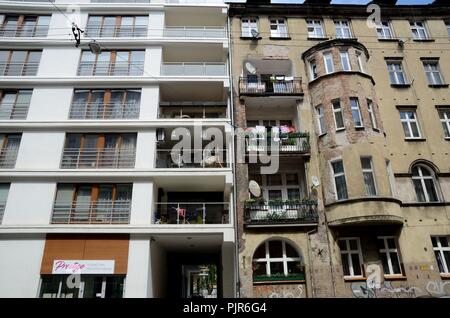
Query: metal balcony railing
x,y
285,143
192,110
19,69
88,158
192,213
8,158
110,69
24,31
276,86
191,158
106,212
129,110
13,110
2,210
195,32
304,212
194,69
117,31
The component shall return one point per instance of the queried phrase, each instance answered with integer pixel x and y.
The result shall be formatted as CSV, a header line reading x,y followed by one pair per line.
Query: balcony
x,y
110,69
117,31
98,212
295,213
193,110
193,69
93,110
286,143
14,110
274,86
195,32
8,158
24,31
191,158
91,158
192,213
19,69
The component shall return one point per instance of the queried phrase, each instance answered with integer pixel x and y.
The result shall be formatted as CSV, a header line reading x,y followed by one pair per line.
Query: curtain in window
x,y
127,151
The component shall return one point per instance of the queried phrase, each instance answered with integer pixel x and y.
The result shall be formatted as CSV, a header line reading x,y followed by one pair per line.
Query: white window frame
x,y
336,175
371,171
267,259
247,25
361,63
357,108
338,110
342,25
421,177
396,67
441,250
387,251
348,252
391,178
313,75
433,71
321,120
328,57
280,23
409,122
345,59
283,187
385,31
317,31
419,30
372,116
444,117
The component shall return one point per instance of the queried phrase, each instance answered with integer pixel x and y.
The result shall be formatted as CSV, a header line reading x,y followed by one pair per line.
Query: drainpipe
x,y
308,241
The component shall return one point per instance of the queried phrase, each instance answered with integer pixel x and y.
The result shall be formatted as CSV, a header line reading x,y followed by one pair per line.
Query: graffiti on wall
x,y
386,290
279,291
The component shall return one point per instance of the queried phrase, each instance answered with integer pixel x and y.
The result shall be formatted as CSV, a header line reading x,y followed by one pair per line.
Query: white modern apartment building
x,y
90,180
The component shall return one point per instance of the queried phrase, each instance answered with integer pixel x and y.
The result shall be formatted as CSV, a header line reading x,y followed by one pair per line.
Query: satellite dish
x,y
315,181
254,188
255,34
95,47
250,68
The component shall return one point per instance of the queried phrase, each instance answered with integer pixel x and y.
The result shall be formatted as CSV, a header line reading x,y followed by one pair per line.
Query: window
x,y
447,24
444,115
433,73
361,62
117,26
9,144
277,259
4,190
14,103
387,248
315,29
384,30
391,178
369,178
373,118
282,186
410,125
343,29
338,115
441,248
418,30
99,151
92,203
19,63
24,25
396,73
328,61
278,28
351,256
321,120
105,104
313,69
339,180
424,184
356,112
111,63
345,61
247,25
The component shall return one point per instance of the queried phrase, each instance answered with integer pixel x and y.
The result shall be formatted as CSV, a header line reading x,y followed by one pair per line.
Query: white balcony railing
x,y
105,211
117,31
88,158
191,158
195,32
192,213
24,31
128,110
13,110
19,69
8,158
110,69
194,69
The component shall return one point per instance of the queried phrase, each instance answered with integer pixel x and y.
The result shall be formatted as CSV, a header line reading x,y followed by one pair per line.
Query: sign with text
x,y
83,267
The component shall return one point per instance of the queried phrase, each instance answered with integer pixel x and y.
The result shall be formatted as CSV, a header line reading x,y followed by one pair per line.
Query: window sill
x,y
447,138
401,85
355,279
321,135
395,277
270,282
359,128
438,85
423,40
389,40
280,38
251,38
445,276
340,129
317,38
376,129
415,139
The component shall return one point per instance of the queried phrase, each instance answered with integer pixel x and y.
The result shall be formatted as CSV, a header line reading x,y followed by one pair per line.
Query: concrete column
x,y
50,104
149,103
139,280
142,203
34,150
145,149
228,263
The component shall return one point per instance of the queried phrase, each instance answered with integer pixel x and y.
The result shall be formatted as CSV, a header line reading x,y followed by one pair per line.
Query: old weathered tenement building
x,y
359,114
